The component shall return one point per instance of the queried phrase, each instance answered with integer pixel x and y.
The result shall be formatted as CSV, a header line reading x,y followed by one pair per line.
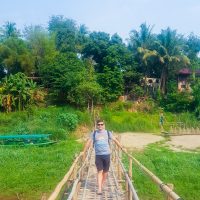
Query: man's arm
x,y
116,141
118,144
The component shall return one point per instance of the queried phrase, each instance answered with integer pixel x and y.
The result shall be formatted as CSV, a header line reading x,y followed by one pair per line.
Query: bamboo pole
x,y
58,188
130,184
130,175
120,157
118,166
154,178
127,189
171,186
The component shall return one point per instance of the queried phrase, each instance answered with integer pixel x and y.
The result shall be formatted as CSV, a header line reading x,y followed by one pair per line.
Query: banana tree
x,y
20,88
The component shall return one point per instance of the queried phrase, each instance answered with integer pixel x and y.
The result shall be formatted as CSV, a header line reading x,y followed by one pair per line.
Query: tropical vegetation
x,y
74,66
50,77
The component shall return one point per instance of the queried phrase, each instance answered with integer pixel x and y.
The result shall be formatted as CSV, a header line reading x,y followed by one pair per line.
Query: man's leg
x,y
104,176
99,166
100,180
106,165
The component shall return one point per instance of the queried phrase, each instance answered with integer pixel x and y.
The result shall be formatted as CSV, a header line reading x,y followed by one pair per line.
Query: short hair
x,y
99,120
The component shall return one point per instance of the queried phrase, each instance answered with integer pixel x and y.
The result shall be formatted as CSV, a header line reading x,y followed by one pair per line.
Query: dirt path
x,y
187,142
138,140
177,143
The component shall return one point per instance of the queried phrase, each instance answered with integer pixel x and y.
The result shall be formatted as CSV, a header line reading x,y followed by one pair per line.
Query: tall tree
x,y
116,39
96,47
65,33
112,83
62,75
192,49
82,38
9,30
170,52
142,38
41,45
140,43
15,56
89,91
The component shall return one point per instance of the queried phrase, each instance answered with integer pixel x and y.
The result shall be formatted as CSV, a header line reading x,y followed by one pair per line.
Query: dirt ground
x,y
138,140
184,142
177,143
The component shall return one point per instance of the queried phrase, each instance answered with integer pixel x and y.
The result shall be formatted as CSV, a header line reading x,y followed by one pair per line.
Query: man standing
x,y
101,141
161,122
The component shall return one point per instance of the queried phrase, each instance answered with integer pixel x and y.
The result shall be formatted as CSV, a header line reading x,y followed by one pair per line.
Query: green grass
x,y
123,121
31,172
41,120
178,168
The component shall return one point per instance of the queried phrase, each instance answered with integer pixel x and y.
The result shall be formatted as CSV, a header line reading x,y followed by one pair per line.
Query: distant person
x,y
161,122
101,140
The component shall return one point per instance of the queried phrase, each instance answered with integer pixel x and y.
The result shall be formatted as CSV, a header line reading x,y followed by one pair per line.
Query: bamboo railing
x,y
179,128
69,186
70,179
166,188
123,175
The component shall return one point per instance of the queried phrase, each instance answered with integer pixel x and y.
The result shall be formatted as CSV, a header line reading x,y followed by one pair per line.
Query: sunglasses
x,y
100,124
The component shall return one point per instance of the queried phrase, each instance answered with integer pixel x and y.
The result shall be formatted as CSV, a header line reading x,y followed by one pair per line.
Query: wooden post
x,y
81,172
120,157
127,189
130,176
118,164
114,154
75,172
76,192
171,186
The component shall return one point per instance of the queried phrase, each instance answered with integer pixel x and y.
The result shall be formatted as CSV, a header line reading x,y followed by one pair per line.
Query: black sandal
x,y
99,193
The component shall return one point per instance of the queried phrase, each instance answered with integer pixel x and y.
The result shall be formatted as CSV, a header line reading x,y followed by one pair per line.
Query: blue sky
x,y
110,16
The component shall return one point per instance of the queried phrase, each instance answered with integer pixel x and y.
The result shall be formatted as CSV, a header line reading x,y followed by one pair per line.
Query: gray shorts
x,y
102,162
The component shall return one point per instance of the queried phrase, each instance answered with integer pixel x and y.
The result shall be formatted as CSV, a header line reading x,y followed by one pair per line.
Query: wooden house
x,y
184,77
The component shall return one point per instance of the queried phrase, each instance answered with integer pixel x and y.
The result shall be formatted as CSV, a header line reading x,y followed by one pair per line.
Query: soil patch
x,y
177,143
138,140
188,142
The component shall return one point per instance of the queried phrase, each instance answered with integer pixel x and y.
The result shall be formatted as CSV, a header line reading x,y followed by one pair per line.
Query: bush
x,y
144,106
59,134
68,120
44,117
177,102
136,92
120,106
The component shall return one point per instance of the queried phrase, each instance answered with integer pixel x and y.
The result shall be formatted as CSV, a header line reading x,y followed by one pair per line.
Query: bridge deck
x,y
88,188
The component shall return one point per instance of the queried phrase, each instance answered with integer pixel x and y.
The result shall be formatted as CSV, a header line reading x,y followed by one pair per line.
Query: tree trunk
x,y
88,106
92,106
19,103
163,80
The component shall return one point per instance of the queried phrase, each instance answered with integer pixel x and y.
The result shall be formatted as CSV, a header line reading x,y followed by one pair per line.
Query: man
x,y
101,140
161,122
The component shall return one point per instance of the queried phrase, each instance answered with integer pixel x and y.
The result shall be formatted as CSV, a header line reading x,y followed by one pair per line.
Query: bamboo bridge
x,y
80,183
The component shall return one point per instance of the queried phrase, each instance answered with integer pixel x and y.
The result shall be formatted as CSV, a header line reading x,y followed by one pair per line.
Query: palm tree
x,y
170,52
167,51
140,44
142,38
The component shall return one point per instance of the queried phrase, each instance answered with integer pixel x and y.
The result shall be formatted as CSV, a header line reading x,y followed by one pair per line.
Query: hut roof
x,y
185,71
